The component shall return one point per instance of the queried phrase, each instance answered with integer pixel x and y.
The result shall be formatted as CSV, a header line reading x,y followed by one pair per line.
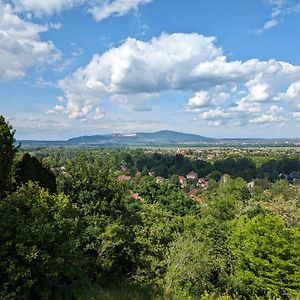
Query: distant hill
x,y
159,138
163,137
169,136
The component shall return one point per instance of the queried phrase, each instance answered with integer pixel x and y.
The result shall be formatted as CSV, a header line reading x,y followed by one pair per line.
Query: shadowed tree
x,y
29,168
7,153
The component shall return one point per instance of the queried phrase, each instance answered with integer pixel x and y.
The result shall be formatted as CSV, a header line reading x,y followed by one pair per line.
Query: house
x,y
124,178
192,176
203,183
182,181
123,168
194,191
282,176
210,156
159,179
250,184
136,196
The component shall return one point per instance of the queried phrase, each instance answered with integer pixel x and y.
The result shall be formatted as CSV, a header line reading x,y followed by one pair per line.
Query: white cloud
x,y
104,9
245,106
57,109
201,99
258,91
99,9
205,99
265,118
215,114
55,26
139,68
293,92
44,7
270,24
277,2
224,91
270,116
60,99
21,46
281,8
41,83
296,115
99,114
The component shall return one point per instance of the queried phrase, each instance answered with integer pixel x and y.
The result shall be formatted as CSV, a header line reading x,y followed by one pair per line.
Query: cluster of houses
x,y
193,176
198,183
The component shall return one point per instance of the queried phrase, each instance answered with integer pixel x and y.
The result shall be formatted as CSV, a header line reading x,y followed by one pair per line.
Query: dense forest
x,y
117,224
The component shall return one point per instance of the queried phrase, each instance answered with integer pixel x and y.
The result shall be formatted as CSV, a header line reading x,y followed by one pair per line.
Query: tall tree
x,y
7,153
29,168
266,258
39,244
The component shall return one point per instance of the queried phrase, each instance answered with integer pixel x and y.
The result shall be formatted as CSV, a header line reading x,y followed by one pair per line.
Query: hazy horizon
x,y
141,132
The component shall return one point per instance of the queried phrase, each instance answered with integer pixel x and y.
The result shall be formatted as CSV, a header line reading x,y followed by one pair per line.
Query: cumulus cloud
x,y
292,93
139,68
205,99
224,91
21,46
99,9
271,115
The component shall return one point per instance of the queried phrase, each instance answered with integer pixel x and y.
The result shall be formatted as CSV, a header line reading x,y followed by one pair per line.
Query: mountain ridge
x,y
157,138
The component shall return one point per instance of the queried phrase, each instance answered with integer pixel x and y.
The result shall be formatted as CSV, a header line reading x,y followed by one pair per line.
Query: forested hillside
x,y
118,224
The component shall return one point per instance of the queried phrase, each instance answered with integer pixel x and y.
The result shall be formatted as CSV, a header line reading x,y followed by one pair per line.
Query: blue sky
x,y
219,68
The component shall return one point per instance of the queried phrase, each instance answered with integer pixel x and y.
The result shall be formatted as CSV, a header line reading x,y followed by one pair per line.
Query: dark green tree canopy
x,y
7,153
29,168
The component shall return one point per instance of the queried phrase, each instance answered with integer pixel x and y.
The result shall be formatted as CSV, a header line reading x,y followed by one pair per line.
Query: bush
x,y
38,243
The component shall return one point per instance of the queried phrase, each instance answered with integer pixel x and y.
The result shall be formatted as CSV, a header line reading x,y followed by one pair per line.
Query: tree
x,y
153,234
31,169
192,266
104,218
237,167
7,153
38,244
266,257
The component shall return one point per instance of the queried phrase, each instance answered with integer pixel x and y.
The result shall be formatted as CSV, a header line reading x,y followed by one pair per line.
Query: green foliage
x,y
31,169
105,291
7,153
153,234
38,243
237,167
166,194
280,188
266,258
105,220
193,266
273,168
